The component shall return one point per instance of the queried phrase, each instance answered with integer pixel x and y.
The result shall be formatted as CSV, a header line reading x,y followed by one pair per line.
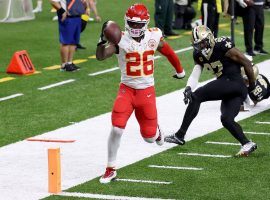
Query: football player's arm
x,y
165,49
104,49
194,77
192,83
237,56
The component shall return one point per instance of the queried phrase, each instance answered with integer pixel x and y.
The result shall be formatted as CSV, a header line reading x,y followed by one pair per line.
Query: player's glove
x,y
188,95
102,38
242,3
179,75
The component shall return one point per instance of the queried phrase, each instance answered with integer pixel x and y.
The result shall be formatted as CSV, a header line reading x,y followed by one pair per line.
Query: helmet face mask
x,y
203,40
136,20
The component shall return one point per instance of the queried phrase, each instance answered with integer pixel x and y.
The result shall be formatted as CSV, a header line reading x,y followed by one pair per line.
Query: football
x,y
112,32
249,2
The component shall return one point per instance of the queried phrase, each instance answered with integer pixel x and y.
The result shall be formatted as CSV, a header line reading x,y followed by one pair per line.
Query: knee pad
x,y
149,134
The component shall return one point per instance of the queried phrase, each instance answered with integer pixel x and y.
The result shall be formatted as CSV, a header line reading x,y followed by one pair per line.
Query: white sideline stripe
x,y
205,155
256,133
155,57
11,97
183,50
56,84
174,167
104,71
143,181
223,143
262,122
103,196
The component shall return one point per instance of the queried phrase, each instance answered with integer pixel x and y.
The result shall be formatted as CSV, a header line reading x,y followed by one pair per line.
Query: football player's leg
x,y
121,112
229,110
146,114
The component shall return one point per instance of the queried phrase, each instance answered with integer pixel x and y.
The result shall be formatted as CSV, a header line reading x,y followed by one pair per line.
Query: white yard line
x,y
175,167
262,122
11,96
103,196
223,143
256,133
56,84
24,164
143,181
205,155
104,71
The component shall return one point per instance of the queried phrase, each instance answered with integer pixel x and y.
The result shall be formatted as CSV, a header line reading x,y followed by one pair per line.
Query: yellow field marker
x,y
52,67
92,57
187,33
78,61
223,25
36,72
54,170
6,79
174,37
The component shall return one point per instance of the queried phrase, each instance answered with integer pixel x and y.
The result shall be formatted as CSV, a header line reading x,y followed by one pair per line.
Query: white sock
x,y
39,4
63,65
113,145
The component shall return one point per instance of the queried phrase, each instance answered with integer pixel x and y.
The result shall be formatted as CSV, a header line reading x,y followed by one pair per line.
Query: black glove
x,y
102,39
60,12
188,95
251,87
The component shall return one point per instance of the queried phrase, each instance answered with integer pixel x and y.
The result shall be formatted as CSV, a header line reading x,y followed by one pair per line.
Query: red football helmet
x,y
137,18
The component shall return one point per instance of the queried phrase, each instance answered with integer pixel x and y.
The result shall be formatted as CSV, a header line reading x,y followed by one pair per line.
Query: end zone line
x,y
56,84
257,122
205,155
174,167
103,196
143,181
223,143
11,96
256,133
49,140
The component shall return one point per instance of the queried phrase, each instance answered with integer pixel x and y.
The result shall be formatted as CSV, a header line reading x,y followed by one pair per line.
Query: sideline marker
x,y
20,63
54,170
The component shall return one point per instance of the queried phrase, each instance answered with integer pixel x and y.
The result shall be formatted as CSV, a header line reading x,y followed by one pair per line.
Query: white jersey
x,y
136,59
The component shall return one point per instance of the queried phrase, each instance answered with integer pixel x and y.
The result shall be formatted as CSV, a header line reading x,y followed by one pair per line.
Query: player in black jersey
x,y
224,60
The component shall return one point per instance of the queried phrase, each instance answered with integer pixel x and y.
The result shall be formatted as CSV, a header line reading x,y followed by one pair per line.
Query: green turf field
x,y
38,111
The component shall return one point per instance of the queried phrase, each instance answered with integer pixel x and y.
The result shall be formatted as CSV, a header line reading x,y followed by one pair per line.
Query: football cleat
x,y
160,139
247,149
174,139
109,175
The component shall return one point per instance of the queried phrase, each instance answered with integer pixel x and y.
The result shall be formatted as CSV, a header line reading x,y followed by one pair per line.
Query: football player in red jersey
x,y
224,60
135,53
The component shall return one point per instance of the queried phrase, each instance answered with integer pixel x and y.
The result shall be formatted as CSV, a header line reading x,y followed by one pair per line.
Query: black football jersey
x,y
217,62
262,89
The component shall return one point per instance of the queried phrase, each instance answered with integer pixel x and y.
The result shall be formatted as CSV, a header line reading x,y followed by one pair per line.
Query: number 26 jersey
x,y
136,59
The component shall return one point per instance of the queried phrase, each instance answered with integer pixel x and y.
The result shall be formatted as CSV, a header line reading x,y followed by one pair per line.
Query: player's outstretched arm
x,y
104,50
240,58
165,49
